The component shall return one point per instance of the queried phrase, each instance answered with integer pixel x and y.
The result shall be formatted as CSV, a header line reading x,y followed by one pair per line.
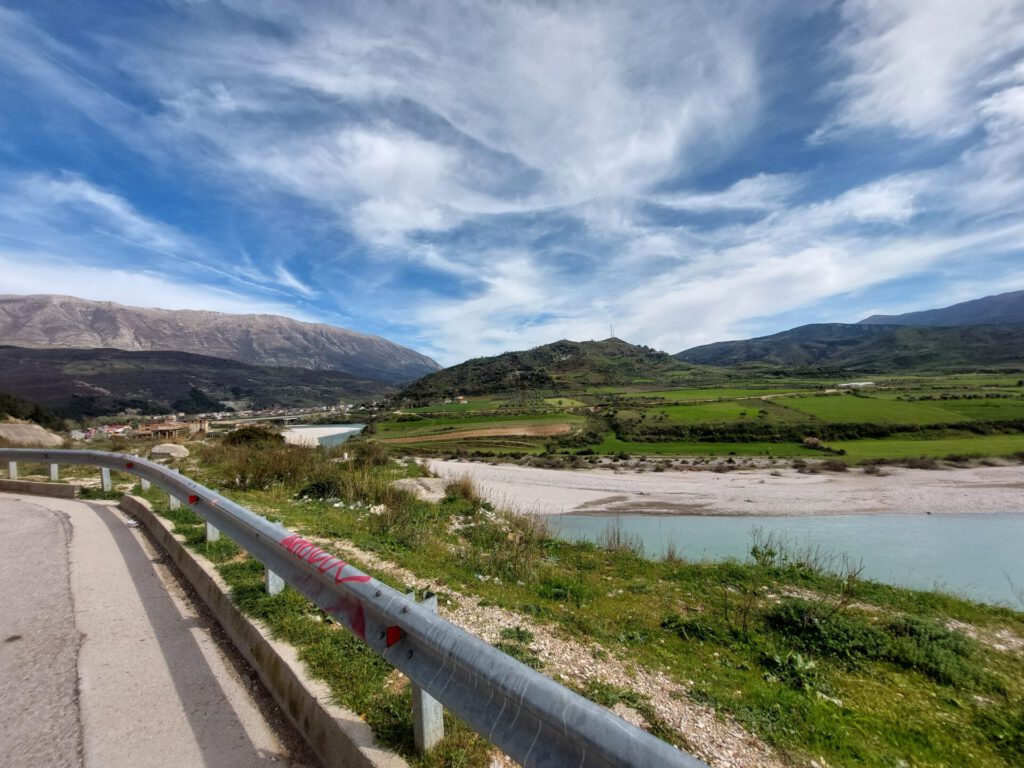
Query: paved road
x,y
104,661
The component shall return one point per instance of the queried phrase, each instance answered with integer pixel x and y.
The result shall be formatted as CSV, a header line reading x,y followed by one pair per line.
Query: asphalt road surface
x,y
105,661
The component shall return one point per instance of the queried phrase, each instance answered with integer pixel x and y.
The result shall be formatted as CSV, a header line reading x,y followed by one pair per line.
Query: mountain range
x,y
51,322
986,332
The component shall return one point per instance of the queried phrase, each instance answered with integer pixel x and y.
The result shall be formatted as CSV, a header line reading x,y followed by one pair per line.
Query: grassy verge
x,y
817,662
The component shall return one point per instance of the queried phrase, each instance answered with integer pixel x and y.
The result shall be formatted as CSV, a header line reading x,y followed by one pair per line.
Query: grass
x,y
817,662
851,409
897,448
987,409
564,402
709,393
475,404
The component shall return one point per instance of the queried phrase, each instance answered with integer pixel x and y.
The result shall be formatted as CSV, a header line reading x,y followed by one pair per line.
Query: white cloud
x,y
921,66
762,192
490,108
42,196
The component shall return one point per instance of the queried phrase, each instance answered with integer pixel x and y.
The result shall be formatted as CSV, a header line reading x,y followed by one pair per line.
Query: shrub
x,y
370,454
933,650
826,630
253,435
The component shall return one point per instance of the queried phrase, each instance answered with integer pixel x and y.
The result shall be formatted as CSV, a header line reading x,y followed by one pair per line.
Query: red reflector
x,y
130,464
193,499
394,634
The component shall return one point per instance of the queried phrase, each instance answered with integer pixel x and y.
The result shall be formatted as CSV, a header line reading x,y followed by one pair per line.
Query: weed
x,y
463,488
793,669
616,539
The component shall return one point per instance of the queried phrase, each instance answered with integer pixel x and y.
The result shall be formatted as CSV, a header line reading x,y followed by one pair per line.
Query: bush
x,y
254,435
370,454
933,650
826,630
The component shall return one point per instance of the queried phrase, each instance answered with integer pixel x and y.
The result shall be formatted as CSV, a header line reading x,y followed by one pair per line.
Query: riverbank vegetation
x,y
792,645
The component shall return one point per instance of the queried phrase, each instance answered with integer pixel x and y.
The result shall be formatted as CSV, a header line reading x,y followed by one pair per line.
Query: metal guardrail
x,y
530,717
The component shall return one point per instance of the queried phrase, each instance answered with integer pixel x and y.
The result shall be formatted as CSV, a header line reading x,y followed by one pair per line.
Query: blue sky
x,y
467,178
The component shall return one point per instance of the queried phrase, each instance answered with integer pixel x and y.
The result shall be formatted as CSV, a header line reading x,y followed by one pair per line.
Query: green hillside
x,y
563,364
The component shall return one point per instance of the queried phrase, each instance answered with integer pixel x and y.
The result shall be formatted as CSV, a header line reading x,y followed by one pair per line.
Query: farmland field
x,y
849,409
711,393
987,409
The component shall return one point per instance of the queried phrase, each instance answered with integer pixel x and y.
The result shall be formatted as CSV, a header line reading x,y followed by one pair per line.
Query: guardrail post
x,y
12,470
54,473
144,483
105,483
212,534
427,712
273,582
172,502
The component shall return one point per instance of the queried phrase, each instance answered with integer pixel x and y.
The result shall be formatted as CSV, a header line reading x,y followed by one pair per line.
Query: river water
x,y
978,556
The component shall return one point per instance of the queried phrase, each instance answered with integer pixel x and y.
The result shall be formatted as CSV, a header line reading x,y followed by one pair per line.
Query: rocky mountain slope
x,y
47,322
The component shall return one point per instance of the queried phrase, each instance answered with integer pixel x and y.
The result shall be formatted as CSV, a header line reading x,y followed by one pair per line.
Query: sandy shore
x,y
744,492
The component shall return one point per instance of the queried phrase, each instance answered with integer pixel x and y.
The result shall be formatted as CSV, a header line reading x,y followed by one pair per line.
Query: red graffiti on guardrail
x,y
324,562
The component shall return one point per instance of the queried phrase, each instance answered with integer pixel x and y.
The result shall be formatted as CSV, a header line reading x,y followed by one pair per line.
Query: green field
x,y
710,393
707,413
851,409
477,404
897,448
994,409
564,402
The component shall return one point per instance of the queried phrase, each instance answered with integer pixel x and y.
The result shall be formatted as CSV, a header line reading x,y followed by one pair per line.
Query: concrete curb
x,y
338,736
39,488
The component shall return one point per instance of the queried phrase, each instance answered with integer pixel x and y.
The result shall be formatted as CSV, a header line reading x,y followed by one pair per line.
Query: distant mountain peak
x,y
45,321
